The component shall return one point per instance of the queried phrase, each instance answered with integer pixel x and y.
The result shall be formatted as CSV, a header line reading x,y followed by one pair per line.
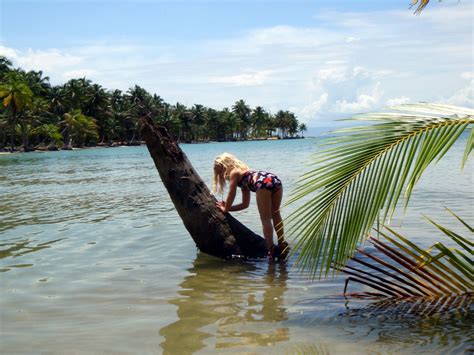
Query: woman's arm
x,y
227,205
233,182
245,201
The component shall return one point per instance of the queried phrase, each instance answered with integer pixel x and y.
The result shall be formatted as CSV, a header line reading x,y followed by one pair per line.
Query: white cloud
x,y
464,96
397,101
340,72
46,60
364,102
245,79
362,72
290,36
311,110
113,66
333,74
352,39
10,53
79,73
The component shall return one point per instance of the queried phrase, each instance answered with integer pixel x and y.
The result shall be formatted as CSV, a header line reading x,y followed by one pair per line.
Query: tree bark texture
x,y
214,232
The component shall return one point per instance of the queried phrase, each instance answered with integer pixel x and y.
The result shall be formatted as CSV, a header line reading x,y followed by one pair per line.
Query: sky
x,y
323,60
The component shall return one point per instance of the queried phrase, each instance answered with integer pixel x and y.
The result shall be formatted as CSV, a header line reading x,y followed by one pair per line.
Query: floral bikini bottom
x,y
256,180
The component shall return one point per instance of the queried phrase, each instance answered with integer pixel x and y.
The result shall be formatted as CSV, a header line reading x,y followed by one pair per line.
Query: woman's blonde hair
x,y
223,165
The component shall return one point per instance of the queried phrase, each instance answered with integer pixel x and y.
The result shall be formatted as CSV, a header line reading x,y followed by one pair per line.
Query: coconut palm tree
x,y
48,133
56,98
38,83
302,128
229,124
242,112
76,93
361,175
271,125
259,117
97,105
16,97
184,116
198,119
141,104
166,118
30,118
119,125
291,123
280,122
78,128
213,125
5,66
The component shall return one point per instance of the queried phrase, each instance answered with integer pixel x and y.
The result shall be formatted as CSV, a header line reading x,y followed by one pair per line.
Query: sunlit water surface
x,y
94,258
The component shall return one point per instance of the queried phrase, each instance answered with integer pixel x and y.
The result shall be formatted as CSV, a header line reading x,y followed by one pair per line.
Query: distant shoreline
x,y
6,151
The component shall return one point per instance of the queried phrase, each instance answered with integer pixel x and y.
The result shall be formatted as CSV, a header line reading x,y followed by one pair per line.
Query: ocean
x,y
95,259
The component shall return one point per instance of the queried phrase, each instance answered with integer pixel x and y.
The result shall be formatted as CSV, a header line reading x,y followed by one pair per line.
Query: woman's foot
x,y
273,253
279,252
284,248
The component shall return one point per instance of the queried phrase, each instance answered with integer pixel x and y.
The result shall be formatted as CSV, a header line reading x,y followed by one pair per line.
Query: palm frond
x,y
394,308
421,5
361,175
411,272
469,146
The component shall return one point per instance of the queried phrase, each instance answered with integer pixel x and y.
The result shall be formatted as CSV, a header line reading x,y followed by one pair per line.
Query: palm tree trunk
x,y
213,232
12,137
24,136
4,138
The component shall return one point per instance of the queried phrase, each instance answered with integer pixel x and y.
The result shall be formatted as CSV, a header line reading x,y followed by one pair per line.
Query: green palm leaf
x,y
361,175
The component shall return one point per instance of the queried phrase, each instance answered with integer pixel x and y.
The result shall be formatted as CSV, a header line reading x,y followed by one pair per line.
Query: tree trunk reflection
x,y
240,304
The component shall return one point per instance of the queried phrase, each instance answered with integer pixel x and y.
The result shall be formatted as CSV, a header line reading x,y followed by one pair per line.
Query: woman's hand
x,y
221,205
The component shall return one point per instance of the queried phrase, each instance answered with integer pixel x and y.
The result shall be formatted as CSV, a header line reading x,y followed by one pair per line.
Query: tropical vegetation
x,y
81,113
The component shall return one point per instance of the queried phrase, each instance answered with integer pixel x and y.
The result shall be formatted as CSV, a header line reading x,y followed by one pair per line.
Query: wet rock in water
x,y
29,149
41,148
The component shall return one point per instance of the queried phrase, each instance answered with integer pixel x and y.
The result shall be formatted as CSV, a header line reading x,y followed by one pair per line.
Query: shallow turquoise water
x,y
94,258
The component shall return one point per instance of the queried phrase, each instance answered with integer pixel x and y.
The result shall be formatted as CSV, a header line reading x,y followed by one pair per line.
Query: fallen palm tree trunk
x,y
214,232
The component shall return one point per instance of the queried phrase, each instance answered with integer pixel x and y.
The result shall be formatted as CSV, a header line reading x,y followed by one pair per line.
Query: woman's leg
x,y
264,204
277,196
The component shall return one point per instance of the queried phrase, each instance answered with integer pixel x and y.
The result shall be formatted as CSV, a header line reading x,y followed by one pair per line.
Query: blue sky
x,y
321,59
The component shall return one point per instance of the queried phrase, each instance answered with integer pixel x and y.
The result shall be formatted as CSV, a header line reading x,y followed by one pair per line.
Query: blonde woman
x,y
269,192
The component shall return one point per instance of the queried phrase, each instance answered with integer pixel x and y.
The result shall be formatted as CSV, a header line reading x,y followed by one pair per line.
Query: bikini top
x,y
247,180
